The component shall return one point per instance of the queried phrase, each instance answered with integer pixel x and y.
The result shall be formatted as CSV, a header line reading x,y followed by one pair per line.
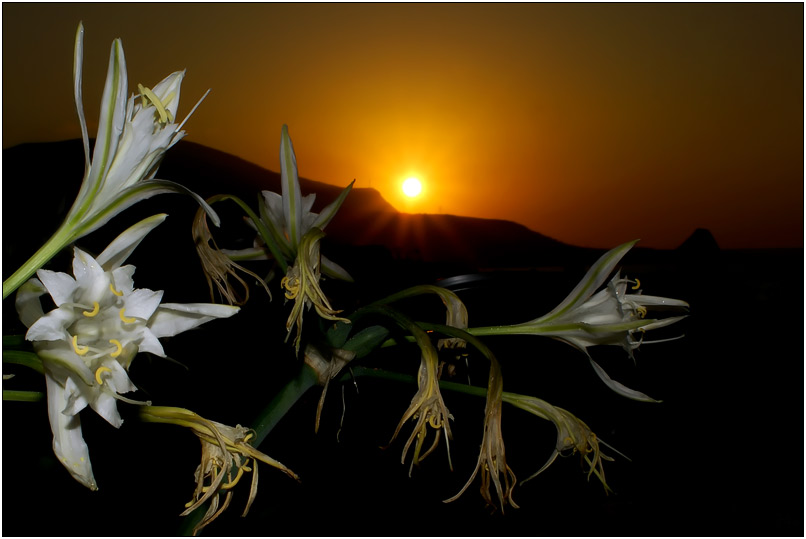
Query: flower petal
x,y
330,210
292,197
137,192
142,303
151,343
78,60
68,443
51,327
29,308
121,247
619,388
60,285
174,318
595,276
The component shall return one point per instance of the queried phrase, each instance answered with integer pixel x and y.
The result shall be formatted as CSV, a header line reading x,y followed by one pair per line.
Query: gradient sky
x,y
590,123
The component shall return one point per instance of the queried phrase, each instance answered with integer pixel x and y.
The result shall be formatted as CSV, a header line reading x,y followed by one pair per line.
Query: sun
x,y
412,187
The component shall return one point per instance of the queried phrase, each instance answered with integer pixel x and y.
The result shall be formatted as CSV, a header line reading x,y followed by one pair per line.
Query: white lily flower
x,y
289,217
133,135
88,341
611,316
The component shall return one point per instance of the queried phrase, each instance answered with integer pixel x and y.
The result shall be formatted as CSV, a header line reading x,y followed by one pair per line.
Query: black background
x,y
721,455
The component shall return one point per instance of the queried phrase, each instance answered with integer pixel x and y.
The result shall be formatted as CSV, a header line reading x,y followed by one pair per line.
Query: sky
x,y
593,124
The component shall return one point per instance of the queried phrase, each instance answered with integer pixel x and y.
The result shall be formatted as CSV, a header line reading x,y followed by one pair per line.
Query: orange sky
x,y
590,123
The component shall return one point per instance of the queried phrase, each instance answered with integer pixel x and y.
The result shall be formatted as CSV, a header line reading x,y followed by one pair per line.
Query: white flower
x,y
289,217
88,341
133,135
611,316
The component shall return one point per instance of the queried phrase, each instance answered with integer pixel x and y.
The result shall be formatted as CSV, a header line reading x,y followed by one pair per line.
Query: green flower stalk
x,y
88,342
133,135
226,455
609,317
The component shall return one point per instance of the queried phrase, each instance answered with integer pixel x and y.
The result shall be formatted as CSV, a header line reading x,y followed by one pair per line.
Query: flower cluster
x,y
88,342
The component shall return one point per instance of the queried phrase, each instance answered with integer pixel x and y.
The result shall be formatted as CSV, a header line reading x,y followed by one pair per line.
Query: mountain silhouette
x,y
365,220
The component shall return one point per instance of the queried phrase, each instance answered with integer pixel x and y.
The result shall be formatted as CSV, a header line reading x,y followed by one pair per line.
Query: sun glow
x,y
412,187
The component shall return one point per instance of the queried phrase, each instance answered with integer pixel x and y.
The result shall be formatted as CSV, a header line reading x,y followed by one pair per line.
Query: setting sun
x,y
412,187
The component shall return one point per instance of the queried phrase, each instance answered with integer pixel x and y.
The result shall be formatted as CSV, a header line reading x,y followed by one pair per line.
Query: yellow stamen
x,y
637,284
126,319
234,481
80,350
119,347
641,310
249,436
291,286
191,502
95,310
437,424
99,372
151,96
118,293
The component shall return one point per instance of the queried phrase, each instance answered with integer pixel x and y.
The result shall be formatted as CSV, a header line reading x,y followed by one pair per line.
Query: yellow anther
x,y
80,350
234,481
118,293
148,95
249,436
435,422
96,308
126,319
191,502
637,284
641,310
98,373
118,346
291,286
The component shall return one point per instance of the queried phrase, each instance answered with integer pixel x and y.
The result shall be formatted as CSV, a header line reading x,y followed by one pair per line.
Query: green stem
x,y
56,243
27,359
22,396
279,406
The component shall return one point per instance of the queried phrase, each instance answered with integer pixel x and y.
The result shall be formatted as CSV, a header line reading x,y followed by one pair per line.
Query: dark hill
x,y
366,219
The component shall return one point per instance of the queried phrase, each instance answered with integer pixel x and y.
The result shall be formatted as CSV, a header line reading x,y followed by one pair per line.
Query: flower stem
x,y
22,396
56,243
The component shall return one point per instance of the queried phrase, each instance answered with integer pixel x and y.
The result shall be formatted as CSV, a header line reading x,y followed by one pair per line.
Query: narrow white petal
x,y
142,303
51,327
77,396
595,276
68,443
331,269
121,247
330,210
106,406
29,308
292,197
78,61
151,343
619,388
174,318
60,285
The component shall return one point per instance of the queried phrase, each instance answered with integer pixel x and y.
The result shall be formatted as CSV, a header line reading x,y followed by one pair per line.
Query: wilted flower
x,y
427,406
132,138
492,462
88,341
573,435
226,455
218,267
611,316
301,284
